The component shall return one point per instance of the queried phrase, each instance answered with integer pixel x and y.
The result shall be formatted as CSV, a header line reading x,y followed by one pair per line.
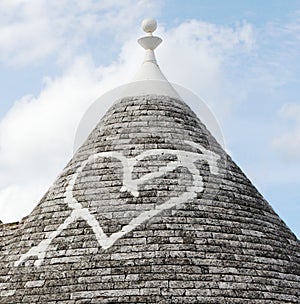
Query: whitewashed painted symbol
x,y
184,159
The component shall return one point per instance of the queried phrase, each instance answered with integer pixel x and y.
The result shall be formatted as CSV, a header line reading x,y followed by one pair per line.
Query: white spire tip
x,y
149,25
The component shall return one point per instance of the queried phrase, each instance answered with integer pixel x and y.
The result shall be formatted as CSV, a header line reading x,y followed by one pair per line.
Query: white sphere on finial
x,y
149,25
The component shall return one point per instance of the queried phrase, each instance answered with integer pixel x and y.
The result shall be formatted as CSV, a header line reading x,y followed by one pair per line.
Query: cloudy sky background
x,y
241,57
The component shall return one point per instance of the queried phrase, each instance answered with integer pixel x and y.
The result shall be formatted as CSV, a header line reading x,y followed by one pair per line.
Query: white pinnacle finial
x,y
149,42
149,25
149,78
150,69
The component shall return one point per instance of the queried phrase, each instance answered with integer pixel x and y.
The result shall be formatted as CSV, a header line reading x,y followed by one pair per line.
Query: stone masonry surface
x,y
183,225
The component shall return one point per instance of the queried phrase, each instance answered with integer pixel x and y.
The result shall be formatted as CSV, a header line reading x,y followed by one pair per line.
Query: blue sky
x,y
241,57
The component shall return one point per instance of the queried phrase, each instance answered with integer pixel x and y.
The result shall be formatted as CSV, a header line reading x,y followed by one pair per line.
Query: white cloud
x,y
206,46
16,199
288,143
36,137
32,30
196,55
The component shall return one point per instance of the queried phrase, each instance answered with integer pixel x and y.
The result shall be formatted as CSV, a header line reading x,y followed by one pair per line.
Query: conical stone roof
x,y
150,210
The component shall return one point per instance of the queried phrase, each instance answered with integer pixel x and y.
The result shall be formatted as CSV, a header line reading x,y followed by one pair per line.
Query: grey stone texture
x,y
226,245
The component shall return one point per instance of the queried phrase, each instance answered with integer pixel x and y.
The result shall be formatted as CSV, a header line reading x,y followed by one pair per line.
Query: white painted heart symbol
x,y
184,159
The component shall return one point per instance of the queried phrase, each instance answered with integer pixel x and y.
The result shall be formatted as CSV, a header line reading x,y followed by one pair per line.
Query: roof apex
x,y
149,70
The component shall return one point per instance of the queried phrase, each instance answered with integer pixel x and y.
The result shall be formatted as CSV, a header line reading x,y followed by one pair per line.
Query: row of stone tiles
x,y
212,241
203,220
158,295
208,228
185,266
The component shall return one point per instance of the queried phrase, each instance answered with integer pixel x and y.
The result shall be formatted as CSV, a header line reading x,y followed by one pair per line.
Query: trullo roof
x,y
150,210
